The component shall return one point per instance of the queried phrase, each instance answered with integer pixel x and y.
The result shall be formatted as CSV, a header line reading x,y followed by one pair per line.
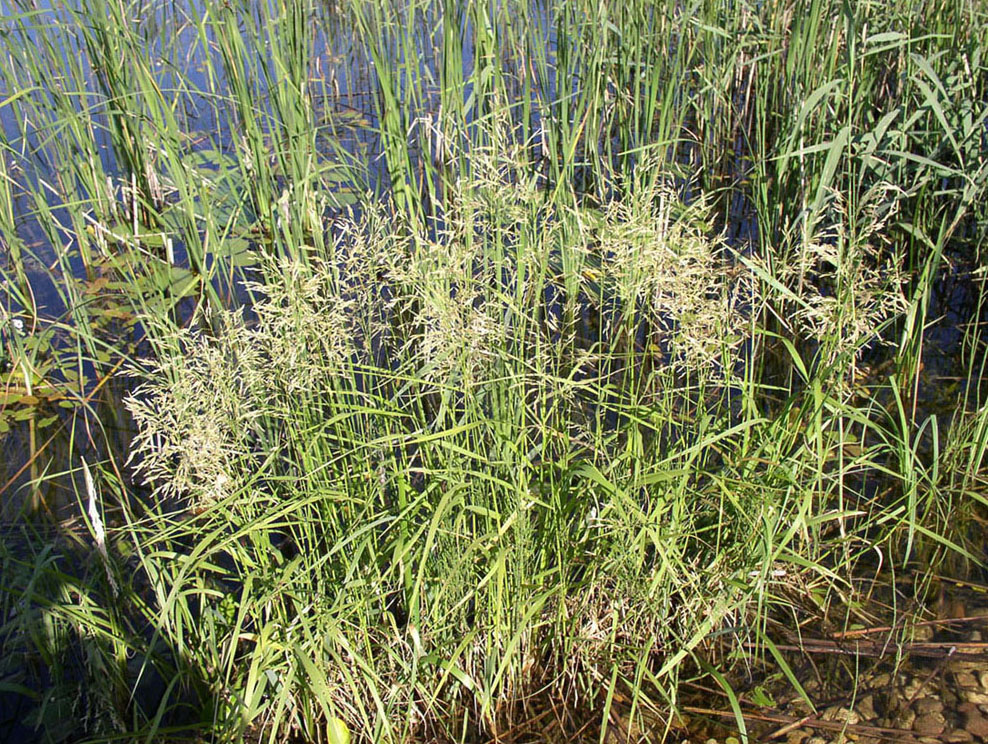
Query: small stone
x,y
974,696
925,705
797,736
816,740
866,708
959,665
841,715
904,719
913,688
922,632
983,679
976,724
626,729
930,724
799,707
958,736
955,608
965,680
710,741
881,680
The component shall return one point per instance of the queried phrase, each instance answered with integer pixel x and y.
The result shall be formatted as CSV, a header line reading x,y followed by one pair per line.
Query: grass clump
x,y
467,486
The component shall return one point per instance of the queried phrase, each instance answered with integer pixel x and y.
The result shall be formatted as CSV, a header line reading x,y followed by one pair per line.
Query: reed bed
x,y
482,357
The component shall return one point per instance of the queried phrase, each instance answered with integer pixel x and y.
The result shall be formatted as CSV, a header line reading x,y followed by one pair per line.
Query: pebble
x,y
904,719
911,688
881,680
930,724
965,680
974,696
983,679
866,708
974,722
797,736
843,715
816,740
799,707
958,736
959,664
926,705
922,632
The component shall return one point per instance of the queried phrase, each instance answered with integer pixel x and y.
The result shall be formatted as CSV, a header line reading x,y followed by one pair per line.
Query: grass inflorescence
x,y
483,358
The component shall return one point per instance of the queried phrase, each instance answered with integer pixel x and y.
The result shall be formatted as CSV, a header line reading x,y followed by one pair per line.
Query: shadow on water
x,y
65,680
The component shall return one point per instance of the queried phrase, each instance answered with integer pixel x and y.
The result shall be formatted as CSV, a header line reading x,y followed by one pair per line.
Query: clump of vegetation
x,y
479,491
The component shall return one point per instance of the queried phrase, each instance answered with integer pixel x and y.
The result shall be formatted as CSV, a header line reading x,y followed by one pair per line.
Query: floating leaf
x,y
96,286
237,251
116,313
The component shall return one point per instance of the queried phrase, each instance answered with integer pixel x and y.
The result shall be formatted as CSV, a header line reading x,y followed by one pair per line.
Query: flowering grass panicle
x,y
846,284
198,411
669,269
304,324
